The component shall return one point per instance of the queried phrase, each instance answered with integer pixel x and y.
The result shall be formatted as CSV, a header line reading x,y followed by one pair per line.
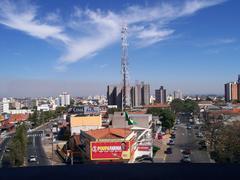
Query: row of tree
x,y
40,117
18,148
186,106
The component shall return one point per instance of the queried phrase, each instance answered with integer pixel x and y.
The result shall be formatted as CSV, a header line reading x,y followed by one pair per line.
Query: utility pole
x,y
124,66
52,145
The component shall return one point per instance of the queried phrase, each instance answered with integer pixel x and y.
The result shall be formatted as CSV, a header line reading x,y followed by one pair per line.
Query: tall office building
x,y
160,95
140,95
177,94
231,91
64,99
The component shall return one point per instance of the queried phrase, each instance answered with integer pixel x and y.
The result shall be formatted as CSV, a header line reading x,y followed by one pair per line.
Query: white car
x,y
32,158
200,135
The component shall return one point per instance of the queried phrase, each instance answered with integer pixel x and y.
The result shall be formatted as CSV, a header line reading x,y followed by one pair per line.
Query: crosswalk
x,y
35,135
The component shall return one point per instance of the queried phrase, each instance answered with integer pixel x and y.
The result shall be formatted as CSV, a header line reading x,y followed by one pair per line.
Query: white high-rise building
x,y
64,99
4,106
177,94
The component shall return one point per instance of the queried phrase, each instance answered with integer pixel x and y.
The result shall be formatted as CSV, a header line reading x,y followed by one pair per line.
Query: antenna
x,y
124,65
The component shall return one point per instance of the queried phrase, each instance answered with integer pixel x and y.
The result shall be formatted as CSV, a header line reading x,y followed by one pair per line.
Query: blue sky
x,y
51,46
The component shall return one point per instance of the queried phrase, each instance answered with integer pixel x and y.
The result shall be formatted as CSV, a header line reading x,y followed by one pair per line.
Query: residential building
x,y
4,106
231,91
177,94
140,95
64,99
160,95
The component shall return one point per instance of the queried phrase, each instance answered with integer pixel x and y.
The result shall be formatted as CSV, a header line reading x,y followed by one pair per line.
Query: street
x,y
186,139
35,148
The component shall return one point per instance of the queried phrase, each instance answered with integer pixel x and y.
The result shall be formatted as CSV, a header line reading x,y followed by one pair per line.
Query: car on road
x,y
186,159
32,158
171,142
144,159
178,121
168,151
174,128
199,135
203,147
173,136
47,135
196,127
186,151
7,150
189,126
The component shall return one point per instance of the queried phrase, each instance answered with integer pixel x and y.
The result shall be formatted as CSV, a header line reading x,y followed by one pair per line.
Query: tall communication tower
x,y
124,66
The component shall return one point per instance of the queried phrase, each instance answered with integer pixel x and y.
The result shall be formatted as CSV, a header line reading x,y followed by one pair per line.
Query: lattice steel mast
x,y
124,65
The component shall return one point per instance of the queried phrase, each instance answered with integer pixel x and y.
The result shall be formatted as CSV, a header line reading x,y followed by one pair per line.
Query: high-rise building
x,y
4,106
177,94
64,99
140,95
231,91
160,95
145,94
112,95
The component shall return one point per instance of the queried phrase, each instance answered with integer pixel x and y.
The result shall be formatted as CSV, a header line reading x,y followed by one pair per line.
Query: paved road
x,y
35,148
34,145
186,138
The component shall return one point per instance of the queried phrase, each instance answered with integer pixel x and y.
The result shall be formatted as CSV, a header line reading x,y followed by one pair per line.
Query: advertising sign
x,y
91,110
144,148
109,150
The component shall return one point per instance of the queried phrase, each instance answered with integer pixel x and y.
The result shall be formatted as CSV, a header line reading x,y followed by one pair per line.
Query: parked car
x,y
168,151
174,128
144,159
32,158
186,151
48,135
189,126
171,142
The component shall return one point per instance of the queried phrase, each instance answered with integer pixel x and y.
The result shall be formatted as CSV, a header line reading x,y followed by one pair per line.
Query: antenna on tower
x,y
124,65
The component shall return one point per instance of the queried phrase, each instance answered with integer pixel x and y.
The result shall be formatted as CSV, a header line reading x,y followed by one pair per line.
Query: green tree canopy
x,y
166,116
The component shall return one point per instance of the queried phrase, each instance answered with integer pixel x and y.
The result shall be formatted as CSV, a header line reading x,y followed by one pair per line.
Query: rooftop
x,y
109,133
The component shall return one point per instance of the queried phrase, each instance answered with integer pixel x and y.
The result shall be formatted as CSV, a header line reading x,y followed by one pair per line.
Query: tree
x,y
166,116
227,145
177,105
18,146
188,106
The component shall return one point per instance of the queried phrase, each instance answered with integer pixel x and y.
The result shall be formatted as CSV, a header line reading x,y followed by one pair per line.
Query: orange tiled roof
x,y
109,133
18,117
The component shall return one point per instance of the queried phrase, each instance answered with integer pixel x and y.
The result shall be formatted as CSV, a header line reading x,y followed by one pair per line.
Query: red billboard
x,y
109,150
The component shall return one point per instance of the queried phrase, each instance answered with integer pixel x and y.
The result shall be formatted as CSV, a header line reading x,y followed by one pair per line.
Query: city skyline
x,y
52,56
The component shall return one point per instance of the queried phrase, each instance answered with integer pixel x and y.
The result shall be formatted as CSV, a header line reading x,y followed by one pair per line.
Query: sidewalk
x,y
47,146
160,156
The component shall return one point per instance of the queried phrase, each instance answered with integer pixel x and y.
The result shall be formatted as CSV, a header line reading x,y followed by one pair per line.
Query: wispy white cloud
x,y
216,42
94,30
